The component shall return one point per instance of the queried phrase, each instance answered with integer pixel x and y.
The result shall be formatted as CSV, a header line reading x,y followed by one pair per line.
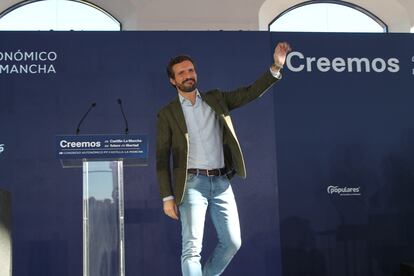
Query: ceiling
x,y
398,15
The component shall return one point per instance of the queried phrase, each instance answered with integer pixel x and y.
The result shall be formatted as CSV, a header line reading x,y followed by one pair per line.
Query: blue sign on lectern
x,y
73,149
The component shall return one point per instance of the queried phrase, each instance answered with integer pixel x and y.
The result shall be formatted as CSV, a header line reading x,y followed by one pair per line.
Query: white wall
x,y
229,14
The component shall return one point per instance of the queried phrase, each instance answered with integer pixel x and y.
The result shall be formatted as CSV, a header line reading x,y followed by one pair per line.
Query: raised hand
x,y
279,56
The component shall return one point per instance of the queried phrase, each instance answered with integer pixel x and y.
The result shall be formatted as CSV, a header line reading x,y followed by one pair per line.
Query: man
x,y
196,129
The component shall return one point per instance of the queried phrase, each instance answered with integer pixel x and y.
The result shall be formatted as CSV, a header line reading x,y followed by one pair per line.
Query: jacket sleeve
x,y
244,95
163,153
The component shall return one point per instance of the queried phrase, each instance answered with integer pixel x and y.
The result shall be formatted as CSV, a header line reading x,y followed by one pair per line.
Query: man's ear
x,y
173,82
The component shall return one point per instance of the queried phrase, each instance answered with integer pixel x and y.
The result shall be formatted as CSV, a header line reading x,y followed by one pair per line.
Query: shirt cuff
x,y
168,198
275,73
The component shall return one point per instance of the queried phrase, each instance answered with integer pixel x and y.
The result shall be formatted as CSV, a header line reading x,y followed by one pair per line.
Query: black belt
x,y
214,172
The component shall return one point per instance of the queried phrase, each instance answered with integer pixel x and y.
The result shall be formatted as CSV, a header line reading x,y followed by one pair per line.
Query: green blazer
x,y
172,135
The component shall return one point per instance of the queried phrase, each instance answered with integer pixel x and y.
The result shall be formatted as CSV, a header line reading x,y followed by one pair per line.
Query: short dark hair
x,y
174,61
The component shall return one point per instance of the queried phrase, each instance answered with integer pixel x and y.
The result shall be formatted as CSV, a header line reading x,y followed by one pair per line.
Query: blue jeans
x,y
212,193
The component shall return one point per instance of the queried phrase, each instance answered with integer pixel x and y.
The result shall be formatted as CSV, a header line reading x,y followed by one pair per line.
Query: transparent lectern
x,y
103,158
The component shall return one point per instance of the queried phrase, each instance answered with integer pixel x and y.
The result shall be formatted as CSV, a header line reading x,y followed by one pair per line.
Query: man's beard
x,y
186,87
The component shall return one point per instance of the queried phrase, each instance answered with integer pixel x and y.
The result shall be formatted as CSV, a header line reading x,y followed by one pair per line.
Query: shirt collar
x,y
183,100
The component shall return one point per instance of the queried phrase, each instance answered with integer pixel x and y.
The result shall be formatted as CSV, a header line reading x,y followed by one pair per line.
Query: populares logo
x,y
2,146
344,191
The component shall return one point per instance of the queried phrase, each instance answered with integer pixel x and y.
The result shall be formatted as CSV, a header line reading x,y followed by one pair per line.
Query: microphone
x,y
123,115
84,116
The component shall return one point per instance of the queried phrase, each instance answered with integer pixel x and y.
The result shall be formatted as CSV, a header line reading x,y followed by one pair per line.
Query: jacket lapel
x,y
224,118
213,103
178,114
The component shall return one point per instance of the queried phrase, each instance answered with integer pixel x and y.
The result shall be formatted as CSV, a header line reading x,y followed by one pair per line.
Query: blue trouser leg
x,y
223,212
215,194
192,215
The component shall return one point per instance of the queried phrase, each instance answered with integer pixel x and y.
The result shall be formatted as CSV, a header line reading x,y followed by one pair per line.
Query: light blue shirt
x,y
205,134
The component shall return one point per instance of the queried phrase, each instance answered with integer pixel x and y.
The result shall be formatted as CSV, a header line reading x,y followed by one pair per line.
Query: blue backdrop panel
x,y
102,67
343,121
345,154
